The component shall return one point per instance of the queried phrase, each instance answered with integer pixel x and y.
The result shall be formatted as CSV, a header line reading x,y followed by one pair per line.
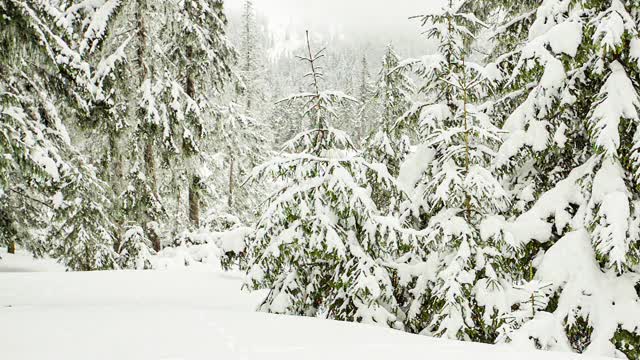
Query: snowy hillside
x,y
181,315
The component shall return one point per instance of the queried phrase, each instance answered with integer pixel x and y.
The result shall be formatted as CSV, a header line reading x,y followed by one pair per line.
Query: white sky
x,y
373,18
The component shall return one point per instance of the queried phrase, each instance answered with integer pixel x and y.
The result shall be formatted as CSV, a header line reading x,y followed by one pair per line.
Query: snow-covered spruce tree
x,y
81,233
236,145
201,50
116,113
571,162
244,136
366,113
250,53
190,63
389,142
459,260
344,77
140,199
318,244
55,203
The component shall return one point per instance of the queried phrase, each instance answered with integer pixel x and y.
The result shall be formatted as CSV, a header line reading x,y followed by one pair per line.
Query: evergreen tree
x,y
366,111
461,195
122,112
251,68
318,243
570,154
47,190
81,233
204,54
236,145
389,142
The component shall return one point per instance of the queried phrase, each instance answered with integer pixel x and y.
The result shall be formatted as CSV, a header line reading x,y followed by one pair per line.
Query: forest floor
x,y
49,314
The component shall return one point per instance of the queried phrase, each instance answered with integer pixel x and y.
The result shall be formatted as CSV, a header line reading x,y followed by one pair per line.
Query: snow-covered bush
x,y
134,251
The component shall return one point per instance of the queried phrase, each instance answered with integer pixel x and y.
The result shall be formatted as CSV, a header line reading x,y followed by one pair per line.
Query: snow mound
x,y
23,261
203,250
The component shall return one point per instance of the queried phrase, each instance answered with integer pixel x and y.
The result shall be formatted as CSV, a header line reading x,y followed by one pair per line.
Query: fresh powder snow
x,y
188,315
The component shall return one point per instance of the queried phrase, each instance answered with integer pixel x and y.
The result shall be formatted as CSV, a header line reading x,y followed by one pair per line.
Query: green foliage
x,y
579,333
628,343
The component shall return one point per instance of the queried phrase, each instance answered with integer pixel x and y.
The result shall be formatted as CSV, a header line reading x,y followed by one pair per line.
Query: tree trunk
x,y
194,184
248,47
117,169
149,146
194,202
142,39
154,237
150,167
149,157
11,248
231,182
465,114
116,175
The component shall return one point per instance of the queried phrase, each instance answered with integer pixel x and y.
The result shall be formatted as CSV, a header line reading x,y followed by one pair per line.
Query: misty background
x,y
368,25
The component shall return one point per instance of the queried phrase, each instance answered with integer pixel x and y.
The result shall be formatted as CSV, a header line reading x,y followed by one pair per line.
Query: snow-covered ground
x,y
23,261
185,315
